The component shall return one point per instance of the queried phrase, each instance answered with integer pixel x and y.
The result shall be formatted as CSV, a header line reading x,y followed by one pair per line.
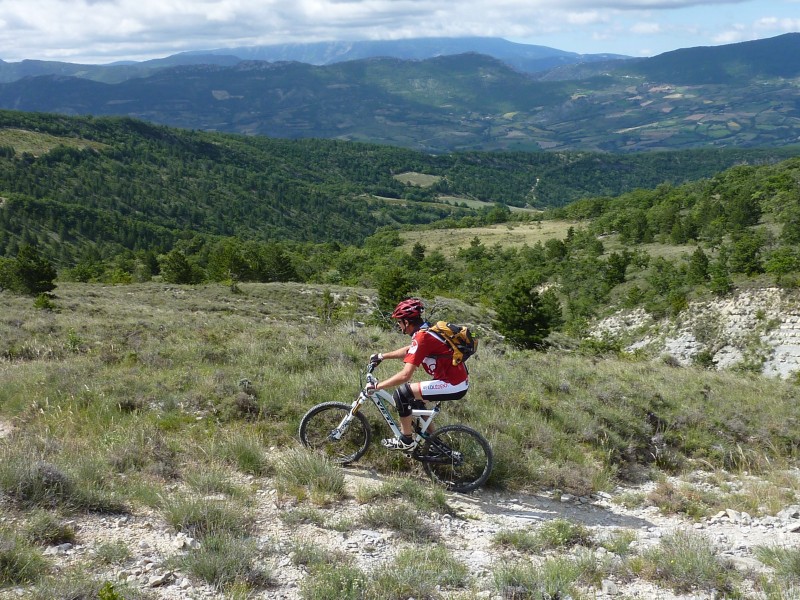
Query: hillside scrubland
x,y
119,396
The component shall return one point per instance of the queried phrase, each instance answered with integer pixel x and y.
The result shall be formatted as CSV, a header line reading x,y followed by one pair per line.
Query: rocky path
x,y
468,535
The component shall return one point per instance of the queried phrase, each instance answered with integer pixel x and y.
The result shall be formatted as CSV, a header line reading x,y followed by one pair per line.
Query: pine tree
x,y
522,317
698,268
33,274
721,282
175,268
394,286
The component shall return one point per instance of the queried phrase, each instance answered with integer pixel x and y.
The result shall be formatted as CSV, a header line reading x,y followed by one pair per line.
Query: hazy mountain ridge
x,y
523,57
527,58
737,95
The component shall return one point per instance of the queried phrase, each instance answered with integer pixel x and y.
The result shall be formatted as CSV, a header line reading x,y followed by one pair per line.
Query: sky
x,y
105,31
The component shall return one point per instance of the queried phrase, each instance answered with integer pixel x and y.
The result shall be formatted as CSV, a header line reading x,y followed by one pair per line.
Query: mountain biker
x,y
434,355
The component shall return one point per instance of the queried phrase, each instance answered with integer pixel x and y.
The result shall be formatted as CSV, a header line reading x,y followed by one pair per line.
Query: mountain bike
x,y
455,456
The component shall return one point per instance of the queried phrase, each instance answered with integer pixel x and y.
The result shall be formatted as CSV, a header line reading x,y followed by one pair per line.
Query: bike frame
x,y
380,398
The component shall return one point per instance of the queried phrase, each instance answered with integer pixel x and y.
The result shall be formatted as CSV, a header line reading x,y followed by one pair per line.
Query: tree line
x,y
119,214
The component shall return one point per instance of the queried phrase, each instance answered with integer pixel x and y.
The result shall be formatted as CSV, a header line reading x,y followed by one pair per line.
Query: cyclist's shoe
x,y
405,443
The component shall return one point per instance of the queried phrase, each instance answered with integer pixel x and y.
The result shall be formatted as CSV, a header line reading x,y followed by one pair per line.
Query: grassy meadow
x,y
38,143
204,364
449,241
121,392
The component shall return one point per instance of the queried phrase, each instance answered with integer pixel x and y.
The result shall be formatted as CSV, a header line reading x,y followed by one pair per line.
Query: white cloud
x,y
106,30
774,24
585,18
648,28
730,37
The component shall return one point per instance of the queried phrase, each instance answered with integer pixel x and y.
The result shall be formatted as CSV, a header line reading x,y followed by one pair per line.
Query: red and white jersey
x,y
436,357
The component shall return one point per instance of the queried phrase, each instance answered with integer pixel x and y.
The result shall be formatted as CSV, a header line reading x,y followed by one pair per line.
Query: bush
x,y
203,517
334,582
34,482
555,578
47,529
401,518
224,560
113,553
20,562
79,585
418,573
302,473
558,533
685,562
785,562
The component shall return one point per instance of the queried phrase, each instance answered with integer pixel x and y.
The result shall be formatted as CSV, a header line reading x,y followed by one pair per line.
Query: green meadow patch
x,y
449,241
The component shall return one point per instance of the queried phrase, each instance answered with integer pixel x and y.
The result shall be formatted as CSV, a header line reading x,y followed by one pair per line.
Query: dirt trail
x,y
468,535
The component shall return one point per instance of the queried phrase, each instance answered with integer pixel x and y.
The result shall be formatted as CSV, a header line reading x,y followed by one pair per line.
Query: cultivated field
x,y
448,241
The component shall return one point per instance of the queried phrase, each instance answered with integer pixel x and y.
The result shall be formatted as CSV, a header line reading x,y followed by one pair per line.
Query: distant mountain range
x,y
523,57
434,98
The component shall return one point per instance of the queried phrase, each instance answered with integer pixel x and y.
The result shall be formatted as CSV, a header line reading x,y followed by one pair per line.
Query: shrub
x,y
401,518
424,498
519,539
29,273
246,454
418,573
20,562
558,533
35,483
301,473
78,585
225,560
112,553
211,479
45,528
619,542
201,517
685,561
313,556
785,562
44,302
303,515
555,578
522,316
335,582
31,482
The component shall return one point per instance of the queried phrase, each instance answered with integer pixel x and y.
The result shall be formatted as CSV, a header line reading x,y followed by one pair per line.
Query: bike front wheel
x,y
318,431
458,457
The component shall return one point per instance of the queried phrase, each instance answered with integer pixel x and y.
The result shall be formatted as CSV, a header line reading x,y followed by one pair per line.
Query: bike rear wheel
x,y
458,457
320,422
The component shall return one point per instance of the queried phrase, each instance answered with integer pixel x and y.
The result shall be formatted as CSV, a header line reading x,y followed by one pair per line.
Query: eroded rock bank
x,y
756,330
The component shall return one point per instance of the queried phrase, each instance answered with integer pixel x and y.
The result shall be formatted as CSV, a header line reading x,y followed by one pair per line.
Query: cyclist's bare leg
x,y
406,427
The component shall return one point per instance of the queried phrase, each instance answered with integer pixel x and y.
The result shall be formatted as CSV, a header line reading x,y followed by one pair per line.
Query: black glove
x,y
376,359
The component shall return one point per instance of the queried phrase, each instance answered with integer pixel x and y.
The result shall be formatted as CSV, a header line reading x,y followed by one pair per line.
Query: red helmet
x,y
410,308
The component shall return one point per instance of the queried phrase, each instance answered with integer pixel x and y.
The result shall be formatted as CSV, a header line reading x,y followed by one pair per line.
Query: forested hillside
x,y
118,200
76,184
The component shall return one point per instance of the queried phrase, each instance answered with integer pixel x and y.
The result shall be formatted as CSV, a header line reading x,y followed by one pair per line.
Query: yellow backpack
x,y
458,337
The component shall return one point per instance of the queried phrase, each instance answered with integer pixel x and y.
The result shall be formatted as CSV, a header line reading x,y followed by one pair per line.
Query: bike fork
x,y
337,433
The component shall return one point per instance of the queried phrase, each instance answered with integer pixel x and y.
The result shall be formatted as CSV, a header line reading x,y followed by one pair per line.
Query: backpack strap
x,y
427,329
